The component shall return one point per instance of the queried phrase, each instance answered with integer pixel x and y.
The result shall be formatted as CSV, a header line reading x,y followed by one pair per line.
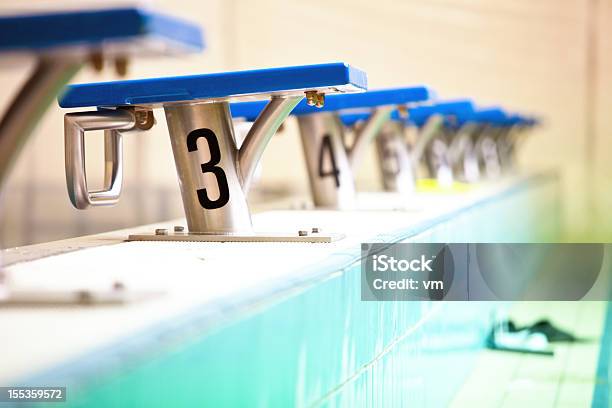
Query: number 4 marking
x,y
326,145
210,167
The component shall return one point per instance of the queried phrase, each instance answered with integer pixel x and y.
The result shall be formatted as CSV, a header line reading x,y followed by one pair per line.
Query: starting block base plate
x,y
256,237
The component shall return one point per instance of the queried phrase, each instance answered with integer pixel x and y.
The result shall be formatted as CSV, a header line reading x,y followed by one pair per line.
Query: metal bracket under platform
x,y
313,236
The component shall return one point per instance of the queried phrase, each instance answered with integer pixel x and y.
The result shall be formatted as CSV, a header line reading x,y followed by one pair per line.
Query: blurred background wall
x,y
547,57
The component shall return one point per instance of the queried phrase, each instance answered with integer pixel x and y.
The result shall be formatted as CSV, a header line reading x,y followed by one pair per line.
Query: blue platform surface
x,y
369,99
462,112
493,116
335,76
455,109
497,116
514,119
44,32
522,120
350,119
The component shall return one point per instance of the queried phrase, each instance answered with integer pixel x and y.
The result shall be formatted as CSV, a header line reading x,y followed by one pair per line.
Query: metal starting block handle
x,y
62,42
330,162
114,122
214,174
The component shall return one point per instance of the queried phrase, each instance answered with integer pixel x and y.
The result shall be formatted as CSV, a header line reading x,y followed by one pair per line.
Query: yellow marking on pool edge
x,y
429,185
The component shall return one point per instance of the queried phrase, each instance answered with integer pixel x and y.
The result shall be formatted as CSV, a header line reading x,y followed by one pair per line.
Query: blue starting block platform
x,y
491,116
218,86
87,29
513,119
498,117
452,110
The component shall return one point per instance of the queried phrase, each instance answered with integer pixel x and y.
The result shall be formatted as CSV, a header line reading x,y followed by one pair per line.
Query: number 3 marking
x,y
210,167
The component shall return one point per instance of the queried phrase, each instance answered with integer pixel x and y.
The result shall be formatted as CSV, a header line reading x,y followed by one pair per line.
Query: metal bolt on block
x,y
144,119
320,100
311,98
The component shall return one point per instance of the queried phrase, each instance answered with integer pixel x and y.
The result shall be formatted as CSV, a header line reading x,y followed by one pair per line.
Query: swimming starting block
x,y
214,177
436,124
485,142
62,42
510,131
495,138
468,130
489,126
329,161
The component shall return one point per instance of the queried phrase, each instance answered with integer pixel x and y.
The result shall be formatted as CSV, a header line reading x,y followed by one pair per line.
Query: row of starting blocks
x,y
338,120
